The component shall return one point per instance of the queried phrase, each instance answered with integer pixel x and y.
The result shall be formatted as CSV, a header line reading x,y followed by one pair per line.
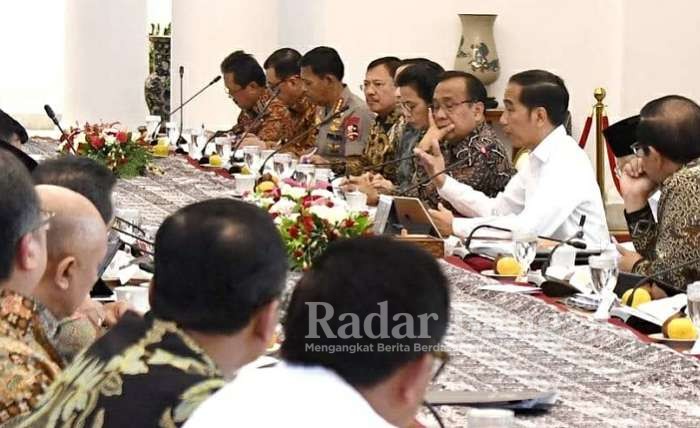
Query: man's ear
x,y
265,321
64,272
28,252
541,116
479,110
414,377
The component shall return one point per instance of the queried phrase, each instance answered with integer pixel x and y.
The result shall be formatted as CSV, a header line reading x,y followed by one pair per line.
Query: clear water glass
x,y
251,156
282,164
525,248
693,292
306,174
172,133
604,273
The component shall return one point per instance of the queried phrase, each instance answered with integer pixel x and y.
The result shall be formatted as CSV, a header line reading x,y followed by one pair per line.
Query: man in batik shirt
x,y
220,268
666,158
469,145
28,361
264,120
283,75
387,129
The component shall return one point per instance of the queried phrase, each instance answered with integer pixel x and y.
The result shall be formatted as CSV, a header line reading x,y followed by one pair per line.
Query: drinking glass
x,y
306,174
525,246
603,273
172,133
251,156
152,123
282,164
693,292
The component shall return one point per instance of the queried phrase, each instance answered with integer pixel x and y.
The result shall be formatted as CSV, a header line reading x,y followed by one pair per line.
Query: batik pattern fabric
x,y
302,117
485,166
28,361
143,372
384,136
673,239
275,124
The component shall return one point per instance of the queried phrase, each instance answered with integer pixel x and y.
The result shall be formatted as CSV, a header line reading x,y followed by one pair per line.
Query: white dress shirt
x,y
286,395
547,197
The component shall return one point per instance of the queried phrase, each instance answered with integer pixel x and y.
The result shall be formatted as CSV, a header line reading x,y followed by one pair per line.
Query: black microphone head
x,y
216,79
182,71
577,243
49,112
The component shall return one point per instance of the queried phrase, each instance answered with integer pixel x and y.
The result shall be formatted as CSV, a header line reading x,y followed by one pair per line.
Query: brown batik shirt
x,y
674,238
275,123
384,136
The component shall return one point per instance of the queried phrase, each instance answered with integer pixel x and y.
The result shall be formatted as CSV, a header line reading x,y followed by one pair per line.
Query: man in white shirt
x,y
550,196
362,339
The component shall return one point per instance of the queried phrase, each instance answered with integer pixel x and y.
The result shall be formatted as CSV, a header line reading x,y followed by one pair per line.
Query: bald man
x,y
76,245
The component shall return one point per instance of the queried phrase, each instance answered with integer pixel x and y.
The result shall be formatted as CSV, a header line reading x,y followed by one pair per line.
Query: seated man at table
x,y
264,120
76,245
416,84
463,140
340,141
28,363
387,128
548,198
362,342
283,74
219,270
667,157
95,182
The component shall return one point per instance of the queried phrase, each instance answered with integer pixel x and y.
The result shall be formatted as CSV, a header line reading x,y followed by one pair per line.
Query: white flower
x,y
284,207
295,193
322,193
80,138
332,215
110,140
280,218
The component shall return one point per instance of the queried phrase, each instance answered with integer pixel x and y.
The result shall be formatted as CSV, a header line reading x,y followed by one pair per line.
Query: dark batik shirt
x,y
675,238
145,372
384,136
486,166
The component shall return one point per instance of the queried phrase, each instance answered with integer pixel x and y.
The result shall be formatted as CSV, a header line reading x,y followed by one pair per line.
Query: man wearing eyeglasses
x,y
28,362
370,360
264,120
283,75
666,158
464,140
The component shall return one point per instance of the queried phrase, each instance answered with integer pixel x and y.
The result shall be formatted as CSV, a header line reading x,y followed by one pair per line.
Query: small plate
x,y
678,344
159,156
492,274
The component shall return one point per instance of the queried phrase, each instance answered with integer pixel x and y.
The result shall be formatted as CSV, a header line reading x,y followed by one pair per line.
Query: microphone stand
x,y
213,81
52,116
427,180
180,140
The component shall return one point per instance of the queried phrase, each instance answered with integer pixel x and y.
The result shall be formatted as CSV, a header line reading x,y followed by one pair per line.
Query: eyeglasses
x,y
639,149
273,87
231,94
376,84
449,106
444,357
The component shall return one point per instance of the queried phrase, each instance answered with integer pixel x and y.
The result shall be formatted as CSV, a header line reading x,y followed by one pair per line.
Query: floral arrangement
x,y
114,148
309,220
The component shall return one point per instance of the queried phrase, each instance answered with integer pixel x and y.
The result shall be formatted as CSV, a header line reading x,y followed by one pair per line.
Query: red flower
x,y
293,232
122,137
330,204
96,142
298,253
308,223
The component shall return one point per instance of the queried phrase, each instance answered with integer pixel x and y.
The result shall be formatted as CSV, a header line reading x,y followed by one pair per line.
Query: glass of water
x,y
525,247
306,174
282,164
251,156
693,292
604,273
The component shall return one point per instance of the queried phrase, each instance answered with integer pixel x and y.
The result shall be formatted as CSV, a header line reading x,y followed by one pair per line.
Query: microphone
x,y
52,116
575,241
213,81
302,135
205,159
423,182
180,140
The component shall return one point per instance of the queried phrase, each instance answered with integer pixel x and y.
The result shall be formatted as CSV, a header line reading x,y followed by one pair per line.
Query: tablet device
x,y
412,215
